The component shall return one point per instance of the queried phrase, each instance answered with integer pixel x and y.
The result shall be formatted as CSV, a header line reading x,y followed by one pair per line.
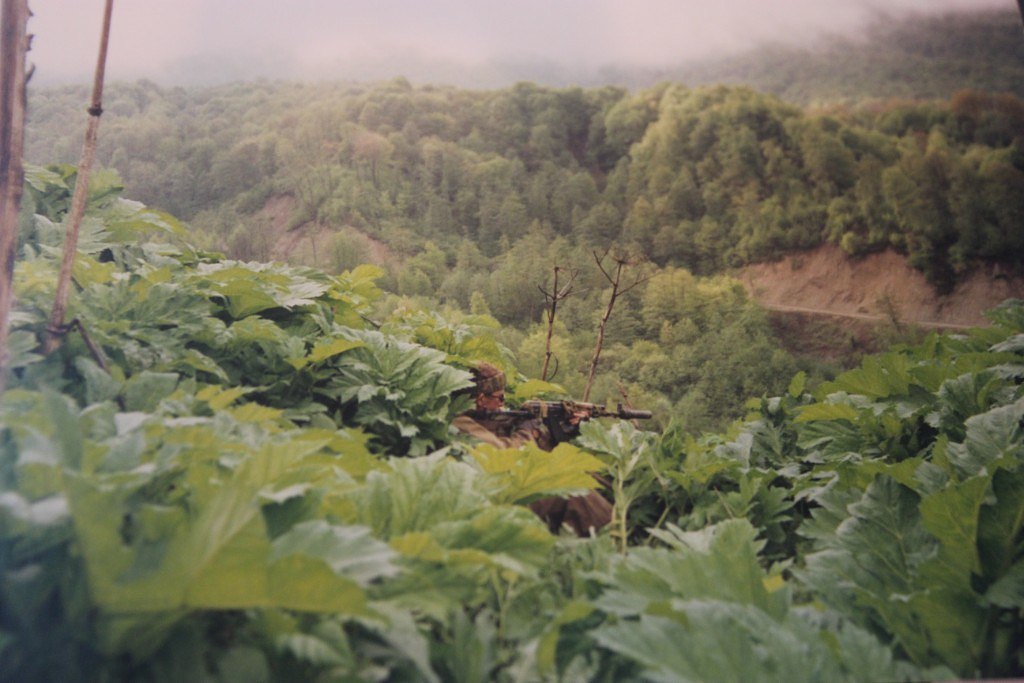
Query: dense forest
x,y
701,178
470,199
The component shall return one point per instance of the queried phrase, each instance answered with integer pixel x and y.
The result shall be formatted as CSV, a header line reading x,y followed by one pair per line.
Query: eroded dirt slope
x,y
877,286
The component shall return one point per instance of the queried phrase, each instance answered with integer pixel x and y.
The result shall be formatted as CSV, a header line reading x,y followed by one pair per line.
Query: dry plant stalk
x,y
57,328
614,277
14,44
553,297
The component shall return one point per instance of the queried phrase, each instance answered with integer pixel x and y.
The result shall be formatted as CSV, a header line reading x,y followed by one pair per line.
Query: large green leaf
x,y
1000,525
716,563
520,475
216,555
869,568
878,377
951,517
402,393
323,351
250,288
509,537
993,439
1008,591
414,495
707,640
348,551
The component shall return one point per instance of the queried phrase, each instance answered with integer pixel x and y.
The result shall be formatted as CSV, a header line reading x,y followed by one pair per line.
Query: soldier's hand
x,y
577,416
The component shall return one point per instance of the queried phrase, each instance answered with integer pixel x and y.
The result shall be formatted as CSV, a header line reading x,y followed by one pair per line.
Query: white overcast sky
x,y
152,36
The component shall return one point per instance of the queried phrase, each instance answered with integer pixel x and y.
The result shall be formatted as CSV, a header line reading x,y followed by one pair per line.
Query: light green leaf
x,y
415,494
99,385
951,516
713,641
797,385
718,562
312,650
827,411
524,474
219,398
300,582
878,377
349,551
145,222
323,351
991,437
1000,524
145,390
507,536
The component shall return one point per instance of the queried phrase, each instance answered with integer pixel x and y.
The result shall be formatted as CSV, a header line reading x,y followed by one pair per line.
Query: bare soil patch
x,y
308,243
881,286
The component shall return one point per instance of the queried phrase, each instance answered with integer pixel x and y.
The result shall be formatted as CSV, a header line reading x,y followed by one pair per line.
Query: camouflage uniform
x,y
581,513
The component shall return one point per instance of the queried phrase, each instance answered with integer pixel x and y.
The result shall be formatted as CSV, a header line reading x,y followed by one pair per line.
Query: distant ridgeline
x,y
921,57
706,178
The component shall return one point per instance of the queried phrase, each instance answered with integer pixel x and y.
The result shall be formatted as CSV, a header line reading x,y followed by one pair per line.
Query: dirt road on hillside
x,y
825,281
862,316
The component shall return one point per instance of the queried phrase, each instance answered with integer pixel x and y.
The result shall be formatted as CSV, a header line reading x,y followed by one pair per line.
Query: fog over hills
x,y
456,42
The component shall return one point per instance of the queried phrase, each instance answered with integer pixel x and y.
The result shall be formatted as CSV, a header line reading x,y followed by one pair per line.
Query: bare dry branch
x,y
621,261
553,298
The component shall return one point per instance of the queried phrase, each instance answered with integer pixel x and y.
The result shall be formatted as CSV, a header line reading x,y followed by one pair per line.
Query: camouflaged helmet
x,y
488,379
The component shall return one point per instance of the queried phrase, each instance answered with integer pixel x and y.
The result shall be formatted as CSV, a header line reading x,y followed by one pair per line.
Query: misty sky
x,y
162,39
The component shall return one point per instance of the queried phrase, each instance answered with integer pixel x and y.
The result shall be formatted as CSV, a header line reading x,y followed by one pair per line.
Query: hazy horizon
x,y
178,42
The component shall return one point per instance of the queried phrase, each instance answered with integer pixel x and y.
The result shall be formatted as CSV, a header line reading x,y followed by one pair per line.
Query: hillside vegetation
x,y
700,178
238,464
470,199
218,487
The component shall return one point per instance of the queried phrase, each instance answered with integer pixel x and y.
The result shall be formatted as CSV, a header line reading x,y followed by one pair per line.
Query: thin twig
x,y
553,297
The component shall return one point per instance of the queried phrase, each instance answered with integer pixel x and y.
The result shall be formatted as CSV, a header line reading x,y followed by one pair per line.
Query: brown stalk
x,y
553,297
621,262
14,44
56,328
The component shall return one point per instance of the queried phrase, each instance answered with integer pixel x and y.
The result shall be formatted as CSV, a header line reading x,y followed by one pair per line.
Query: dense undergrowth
x,y
250,479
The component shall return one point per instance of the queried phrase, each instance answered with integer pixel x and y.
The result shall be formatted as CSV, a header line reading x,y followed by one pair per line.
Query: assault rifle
x,y
563,417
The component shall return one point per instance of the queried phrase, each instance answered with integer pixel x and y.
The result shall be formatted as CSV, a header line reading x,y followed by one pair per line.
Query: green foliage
x,y
631,464
523,475
884,492
402,390
221,490
705,177
703,608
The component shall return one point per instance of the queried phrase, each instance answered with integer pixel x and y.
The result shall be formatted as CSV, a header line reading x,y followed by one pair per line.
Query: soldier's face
x,y
492,401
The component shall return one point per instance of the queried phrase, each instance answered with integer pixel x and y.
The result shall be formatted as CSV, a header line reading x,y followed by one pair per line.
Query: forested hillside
x,y
470,199
701,178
